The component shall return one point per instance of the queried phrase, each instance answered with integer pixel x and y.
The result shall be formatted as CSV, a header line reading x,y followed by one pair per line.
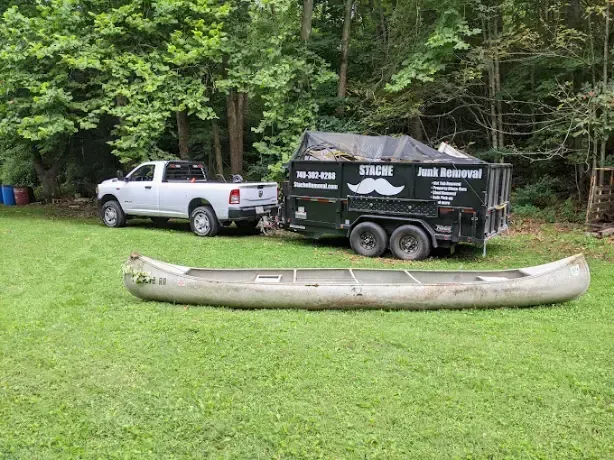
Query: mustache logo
x,y
381,186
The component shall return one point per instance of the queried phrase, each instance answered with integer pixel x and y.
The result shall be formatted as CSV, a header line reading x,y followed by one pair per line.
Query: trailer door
x,y
497,199
314,202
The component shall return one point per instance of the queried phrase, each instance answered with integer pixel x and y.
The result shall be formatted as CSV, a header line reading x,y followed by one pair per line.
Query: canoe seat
x,y
492,278
268,279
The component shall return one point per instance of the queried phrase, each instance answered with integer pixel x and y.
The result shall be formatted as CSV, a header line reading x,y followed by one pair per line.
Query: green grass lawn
x,y
87,370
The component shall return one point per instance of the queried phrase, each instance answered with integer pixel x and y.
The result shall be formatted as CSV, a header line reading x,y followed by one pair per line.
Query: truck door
x,y
139,195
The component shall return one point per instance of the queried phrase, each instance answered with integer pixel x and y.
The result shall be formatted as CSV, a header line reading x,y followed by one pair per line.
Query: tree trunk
x,y
491,85
580,181
606,51
183,133
48,175
574,14
306,22
499,107
236,103
416,128
217,148
381,29
210,167
345,50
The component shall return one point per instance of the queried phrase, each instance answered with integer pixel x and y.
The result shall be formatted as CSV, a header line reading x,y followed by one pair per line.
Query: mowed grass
x,y
87,370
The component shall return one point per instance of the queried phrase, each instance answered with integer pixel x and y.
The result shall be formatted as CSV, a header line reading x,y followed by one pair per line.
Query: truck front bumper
x,y
249,213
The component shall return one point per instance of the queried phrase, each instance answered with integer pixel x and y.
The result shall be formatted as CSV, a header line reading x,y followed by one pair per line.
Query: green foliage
x,y
157,60
566,211
268,61
45,97
520,79
544,200
540,194
17,170
448,37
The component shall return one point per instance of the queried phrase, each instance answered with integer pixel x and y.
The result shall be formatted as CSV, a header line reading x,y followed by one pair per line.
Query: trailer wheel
x,y
409,242
204,221
369,239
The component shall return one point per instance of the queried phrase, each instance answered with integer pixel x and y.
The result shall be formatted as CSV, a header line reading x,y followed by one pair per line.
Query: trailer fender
x,y
401,220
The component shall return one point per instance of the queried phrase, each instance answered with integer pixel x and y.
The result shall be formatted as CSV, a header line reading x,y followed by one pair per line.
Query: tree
x,y
307,18
524,80
345,49
159,59
217,148
49,86
183,133
268,60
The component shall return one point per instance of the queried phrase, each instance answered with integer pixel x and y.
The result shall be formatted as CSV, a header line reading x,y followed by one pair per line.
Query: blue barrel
x,y
7,195
1,200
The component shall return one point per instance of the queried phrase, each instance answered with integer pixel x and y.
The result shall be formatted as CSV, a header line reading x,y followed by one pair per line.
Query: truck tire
x,y
159,221
112,214
203,221
409,242
369,239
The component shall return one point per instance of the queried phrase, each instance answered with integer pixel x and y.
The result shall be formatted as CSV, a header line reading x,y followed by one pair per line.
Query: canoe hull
x,y
557,282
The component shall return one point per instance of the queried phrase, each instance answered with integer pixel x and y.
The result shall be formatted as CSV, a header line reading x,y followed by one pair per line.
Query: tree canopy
x,y
87,86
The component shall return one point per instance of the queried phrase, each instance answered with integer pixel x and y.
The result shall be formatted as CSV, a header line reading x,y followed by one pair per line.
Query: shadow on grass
x,y
463,251
87,215
184,226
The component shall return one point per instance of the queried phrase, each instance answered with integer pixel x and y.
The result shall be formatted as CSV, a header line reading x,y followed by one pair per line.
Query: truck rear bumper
x,y
250,212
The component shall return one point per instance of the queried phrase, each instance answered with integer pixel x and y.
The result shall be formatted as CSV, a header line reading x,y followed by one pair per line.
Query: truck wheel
x,y
159,221
409,242
112,214
203,221
369,239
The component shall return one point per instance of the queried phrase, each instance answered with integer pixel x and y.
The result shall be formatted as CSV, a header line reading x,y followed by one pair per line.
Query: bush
x,y
541,194
529,211
566,211
571,211
18,171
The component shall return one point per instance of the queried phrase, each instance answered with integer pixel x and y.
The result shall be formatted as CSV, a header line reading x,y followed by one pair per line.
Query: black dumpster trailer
x,y
384,192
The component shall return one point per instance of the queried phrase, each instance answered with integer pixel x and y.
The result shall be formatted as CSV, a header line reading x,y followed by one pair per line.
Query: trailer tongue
x,y
396,193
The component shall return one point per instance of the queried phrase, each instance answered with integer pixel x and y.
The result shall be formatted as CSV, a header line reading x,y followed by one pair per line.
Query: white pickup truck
x,y
181,189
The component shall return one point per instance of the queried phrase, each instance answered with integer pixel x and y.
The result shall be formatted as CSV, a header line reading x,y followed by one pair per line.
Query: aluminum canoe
x,y
333,288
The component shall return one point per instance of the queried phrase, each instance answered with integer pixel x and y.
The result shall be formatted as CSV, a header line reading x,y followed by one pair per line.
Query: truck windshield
x,y
182,172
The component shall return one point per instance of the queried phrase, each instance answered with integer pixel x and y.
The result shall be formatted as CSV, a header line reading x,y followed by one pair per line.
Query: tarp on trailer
x,y
320,146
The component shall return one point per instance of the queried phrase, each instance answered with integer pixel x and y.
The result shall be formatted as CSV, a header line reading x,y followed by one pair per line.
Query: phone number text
x,y
321,175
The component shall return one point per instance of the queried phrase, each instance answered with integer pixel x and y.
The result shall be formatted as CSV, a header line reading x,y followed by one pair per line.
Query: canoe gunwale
x,y
551,283
554,266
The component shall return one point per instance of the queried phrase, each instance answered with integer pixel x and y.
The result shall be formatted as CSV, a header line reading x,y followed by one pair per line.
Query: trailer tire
x,y
203,221
369,239
409,242
112,214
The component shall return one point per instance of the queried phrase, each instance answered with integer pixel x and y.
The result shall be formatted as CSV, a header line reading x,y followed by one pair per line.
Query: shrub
x,y
566,211
18,171
541,194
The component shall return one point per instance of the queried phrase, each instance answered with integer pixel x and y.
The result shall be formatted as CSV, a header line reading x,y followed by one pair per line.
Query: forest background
x,y
87,87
